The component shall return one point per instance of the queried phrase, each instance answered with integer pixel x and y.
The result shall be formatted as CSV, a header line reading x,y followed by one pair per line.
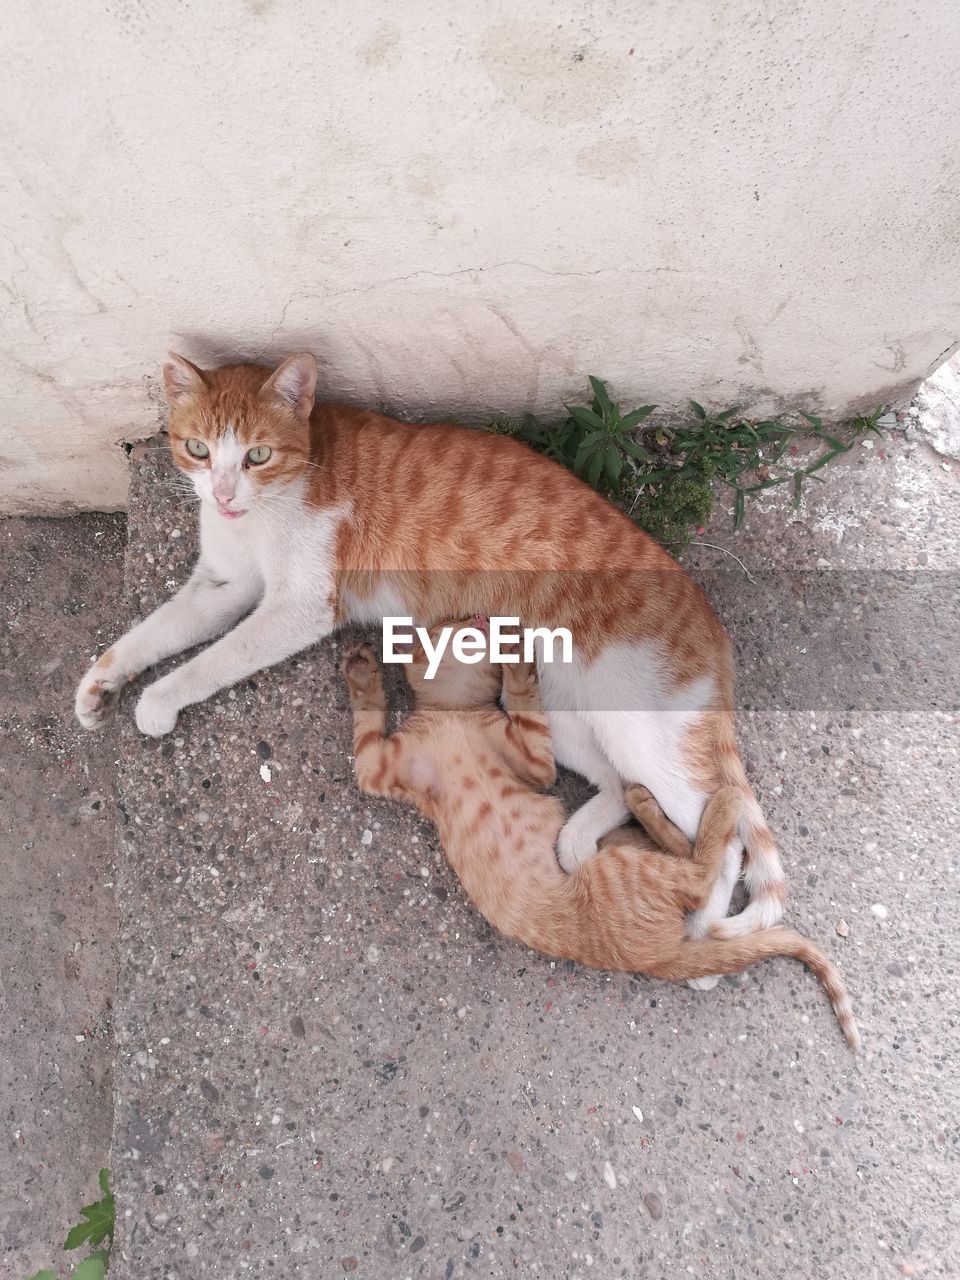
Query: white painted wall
x,y
467,206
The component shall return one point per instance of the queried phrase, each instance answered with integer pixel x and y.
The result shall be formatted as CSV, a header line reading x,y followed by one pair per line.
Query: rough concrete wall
x,y
467,207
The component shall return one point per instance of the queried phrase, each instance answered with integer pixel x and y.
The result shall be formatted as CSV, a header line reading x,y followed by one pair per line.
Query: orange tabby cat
x,y
311,516
473,769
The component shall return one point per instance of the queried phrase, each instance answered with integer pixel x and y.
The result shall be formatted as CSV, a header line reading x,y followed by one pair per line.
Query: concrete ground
x,y
57,911
328,1064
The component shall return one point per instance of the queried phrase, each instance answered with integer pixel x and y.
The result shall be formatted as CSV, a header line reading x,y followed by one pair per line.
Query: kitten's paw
x,y
97,695
520,679
703,984
156,713
575,846
645,809
359,666
638,798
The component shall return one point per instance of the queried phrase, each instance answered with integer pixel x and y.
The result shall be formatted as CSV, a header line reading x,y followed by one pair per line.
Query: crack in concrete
x,y
461,271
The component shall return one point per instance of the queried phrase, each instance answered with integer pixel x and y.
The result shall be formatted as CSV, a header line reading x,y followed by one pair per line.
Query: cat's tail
x,y
762,868
712,955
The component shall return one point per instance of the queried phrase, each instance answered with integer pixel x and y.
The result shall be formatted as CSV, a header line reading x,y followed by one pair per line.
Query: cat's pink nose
x,y
226,510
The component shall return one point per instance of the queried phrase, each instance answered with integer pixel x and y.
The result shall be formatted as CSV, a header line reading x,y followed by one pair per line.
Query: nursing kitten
x,y
474,769
314,516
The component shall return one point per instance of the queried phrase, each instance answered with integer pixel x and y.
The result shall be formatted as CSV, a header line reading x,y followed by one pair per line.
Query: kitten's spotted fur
x,y
475,770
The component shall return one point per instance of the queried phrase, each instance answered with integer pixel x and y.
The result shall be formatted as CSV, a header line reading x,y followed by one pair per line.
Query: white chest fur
x,y
282,548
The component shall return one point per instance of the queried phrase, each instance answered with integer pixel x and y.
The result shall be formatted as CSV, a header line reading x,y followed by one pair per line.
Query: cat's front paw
x,y
98,694
359,666
156,712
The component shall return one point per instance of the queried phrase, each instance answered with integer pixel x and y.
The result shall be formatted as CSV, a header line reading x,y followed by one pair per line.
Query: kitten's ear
x,y
294,384
182,379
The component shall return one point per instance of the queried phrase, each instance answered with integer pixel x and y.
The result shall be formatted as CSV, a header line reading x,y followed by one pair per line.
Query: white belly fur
x,y
626,708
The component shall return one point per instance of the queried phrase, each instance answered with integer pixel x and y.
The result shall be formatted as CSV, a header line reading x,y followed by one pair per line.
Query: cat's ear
x,y
182,379
294,384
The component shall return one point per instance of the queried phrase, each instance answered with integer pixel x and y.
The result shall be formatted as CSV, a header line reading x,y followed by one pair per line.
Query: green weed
x,y
664,475
96,1225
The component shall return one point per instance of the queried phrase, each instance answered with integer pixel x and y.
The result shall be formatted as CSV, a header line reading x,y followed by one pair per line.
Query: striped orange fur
x,y
316,515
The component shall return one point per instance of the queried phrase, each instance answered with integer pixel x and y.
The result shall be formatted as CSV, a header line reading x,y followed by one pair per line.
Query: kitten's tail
x,y
701,959
607,915
762,869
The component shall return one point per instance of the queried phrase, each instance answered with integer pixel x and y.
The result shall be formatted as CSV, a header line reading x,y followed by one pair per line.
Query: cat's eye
x,y
197,449
258,455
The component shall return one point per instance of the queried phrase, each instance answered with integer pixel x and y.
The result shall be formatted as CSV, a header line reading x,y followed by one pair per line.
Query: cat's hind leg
x,y
650,746
524,732
703,860
575,748
717,835
655,822
714,857
375,757
368,704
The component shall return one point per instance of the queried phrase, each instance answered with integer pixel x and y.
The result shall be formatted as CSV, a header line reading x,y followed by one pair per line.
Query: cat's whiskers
x,y
275,514
181,495
287,507
187,495
144,446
